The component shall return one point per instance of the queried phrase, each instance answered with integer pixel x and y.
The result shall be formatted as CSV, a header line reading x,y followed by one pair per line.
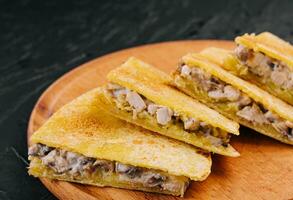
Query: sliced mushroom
x,y
128,170
152,179
259,64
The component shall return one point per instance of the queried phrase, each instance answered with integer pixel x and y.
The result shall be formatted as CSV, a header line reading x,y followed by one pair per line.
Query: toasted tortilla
x,y
270,45
272,103
139,76
82,127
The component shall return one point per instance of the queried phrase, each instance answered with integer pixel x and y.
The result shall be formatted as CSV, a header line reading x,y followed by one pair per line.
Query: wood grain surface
x,y
263,171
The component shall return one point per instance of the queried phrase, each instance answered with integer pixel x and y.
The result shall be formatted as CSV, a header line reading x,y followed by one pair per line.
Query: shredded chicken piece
x,y
185,71
204,79
282,76
120,93
229,92
244,100
164,115
252,114
243,53
152,108
217,94
191,124
135,101
279,77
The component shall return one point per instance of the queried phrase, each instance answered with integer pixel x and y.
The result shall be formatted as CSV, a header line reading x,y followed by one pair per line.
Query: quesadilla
x,y
81,143
269,63
138,93
202,78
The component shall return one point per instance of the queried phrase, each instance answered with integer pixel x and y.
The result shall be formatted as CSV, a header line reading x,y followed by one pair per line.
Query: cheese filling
x,y
246,108
77,165
141,107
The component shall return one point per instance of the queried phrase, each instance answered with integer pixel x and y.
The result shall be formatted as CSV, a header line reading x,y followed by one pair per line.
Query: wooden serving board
x,y
263,171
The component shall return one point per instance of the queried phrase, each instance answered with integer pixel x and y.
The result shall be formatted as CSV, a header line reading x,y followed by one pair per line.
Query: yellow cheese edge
x,y
269,101
82,127
141,80
270,45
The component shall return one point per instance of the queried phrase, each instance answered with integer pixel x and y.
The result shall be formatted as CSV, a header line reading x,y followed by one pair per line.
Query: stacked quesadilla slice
x,y
139,94
82,143
204,76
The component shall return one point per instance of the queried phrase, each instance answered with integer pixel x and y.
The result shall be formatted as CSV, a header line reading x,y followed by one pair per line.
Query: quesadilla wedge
x,y
138,93
202,78
269,63
81,143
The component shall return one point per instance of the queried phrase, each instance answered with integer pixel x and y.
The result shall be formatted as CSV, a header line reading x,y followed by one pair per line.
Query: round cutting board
x,y
263,171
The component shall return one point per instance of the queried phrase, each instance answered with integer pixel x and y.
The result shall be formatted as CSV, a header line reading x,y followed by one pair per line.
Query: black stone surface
x,y
41,40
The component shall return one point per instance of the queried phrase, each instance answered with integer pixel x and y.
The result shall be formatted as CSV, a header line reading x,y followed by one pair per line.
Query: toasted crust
x,y
172,131
270,45
138,76
82,127
269,101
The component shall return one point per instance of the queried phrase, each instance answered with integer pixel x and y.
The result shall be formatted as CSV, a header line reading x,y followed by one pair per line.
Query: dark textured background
x,y
41,40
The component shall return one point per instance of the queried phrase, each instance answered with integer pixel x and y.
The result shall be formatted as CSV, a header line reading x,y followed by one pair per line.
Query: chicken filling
x,y
77,165
139,106
271,70
246,108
